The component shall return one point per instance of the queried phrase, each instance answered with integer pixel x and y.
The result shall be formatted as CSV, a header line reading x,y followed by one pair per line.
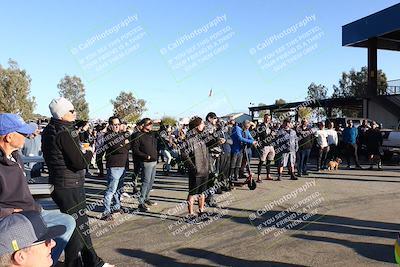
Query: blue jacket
x,y
350,135
238,139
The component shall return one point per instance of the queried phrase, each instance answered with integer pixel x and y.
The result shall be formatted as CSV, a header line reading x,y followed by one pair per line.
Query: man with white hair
x,y
67,162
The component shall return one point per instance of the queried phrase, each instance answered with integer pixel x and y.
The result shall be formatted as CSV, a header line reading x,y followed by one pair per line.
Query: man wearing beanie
x,y
196,157
14,191
66,164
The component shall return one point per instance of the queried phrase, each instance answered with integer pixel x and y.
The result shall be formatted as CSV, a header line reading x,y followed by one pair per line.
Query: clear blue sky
x,y
41,35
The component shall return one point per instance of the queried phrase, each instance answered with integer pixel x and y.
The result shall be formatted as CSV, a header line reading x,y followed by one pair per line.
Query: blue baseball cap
x,y
10,123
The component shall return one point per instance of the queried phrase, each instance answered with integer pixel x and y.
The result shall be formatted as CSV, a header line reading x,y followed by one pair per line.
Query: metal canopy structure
x,y
380,30
330,103
382,27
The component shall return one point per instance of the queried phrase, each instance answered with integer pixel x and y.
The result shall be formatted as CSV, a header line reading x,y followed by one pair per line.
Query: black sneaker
x,y
212,204
143,208
150,203
293,177
106,217
203,216
192,219
122,210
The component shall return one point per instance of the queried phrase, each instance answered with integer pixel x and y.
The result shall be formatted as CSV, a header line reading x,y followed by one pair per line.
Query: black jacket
x,y
14,190
116,149
195,154
373,140
306,138
63,156
144,145
265,135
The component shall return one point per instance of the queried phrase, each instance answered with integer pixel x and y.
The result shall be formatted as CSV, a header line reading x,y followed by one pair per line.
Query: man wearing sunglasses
x,y
116,146
67,162
26,240
145,150
14,191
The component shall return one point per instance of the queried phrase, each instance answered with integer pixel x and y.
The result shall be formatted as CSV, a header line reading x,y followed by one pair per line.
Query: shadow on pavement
x,y
378,252
228,260
154,259
327,223
160,260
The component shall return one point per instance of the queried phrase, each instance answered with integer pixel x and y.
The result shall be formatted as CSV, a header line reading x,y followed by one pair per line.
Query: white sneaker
x,y
108,265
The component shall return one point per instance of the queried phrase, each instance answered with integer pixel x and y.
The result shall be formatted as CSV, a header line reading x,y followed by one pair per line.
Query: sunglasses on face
x,y
24,135
72,111
47,242
117,124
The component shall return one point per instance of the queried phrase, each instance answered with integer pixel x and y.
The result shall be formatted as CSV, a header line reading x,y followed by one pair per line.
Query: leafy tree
x,y
262,112
168,120
15,88
280,102
355,83
317,91
73,89
128,107
305,112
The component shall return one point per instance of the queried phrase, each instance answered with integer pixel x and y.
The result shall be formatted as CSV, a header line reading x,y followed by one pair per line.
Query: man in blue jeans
x,y
305,138
145,150
14,192
350,134
116,146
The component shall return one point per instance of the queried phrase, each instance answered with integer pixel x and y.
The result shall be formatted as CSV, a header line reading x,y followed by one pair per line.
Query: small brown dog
x,y
334,164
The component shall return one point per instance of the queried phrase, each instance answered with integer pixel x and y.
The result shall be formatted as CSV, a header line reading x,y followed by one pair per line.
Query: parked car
x,y
391,142
341,122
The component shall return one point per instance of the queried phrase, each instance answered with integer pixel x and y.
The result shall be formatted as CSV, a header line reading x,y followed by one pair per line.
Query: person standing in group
x,y
373,141
237,150
116,157
137,163
100,148
288,146
225,160
333,141
197,159
362,138
265,137
306,140
350,142
214,144
323,147
247,152
145,149
33,148
66,162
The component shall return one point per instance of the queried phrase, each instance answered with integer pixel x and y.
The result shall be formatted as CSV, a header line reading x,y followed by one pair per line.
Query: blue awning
x,y
383,25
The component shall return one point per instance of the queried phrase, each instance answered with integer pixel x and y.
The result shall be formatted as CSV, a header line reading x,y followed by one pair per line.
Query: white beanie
x,y
59,107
